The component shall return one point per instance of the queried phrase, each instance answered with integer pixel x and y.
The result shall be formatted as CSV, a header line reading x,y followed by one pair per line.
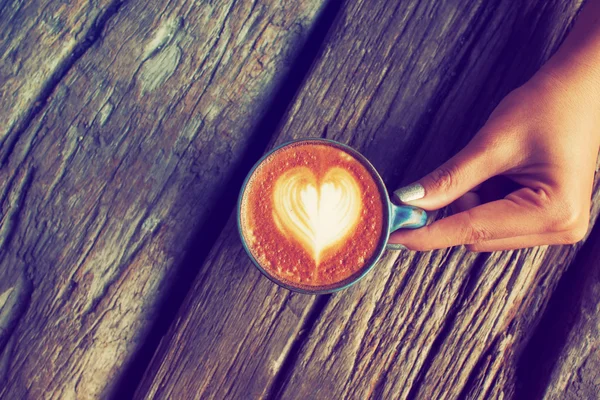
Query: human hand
x,y
525,179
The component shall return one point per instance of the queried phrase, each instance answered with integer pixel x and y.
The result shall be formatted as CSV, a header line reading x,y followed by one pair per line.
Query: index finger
x,y
523,212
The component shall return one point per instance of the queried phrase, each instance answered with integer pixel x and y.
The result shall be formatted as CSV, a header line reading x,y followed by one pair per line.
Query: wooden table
x,y
126,129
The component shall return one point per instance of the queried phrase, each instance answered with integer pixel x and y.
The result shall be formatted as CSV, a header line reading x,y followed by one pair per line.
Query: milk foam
x,y
316,214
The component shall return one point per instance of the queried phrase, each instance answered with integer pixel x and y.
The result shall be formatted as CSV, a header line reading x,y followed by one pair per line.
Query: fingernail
x,y
408,193
396,246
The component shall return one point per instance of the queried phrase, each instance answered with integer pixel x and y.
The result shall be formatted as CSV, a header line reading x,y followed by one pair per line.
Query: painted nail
x,y
409,193
396,246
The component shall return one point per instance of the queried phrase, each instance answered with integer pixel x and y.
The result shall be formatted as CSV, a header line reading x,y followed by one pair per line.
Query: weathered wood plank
x,y
101,194
481,326
39,40
417,78
564,325
576,373
495,320
245,330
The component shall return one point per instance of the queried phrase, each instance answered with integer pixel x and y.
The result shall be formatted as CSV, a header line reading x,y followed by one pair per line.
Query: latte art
x,y
312,215
317,214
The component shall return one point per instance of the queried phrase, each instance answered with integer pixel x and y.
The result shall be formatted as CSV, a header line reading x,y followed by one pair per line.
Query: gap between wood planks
x,y
58,75
206,236
289,363
541,354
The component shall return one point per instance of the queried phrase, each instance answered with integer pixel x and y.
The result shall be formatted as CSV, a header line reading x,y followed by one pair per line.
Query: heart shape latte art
x,y
316,214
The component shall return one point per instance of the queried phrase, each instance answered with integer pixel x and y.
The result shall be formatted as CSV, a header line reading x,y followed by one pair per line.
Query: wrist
x,y
576,83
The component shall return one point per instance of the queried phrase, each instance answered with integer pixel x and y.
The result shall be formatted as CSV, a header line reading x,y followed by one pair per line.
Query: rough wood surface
x,y
38,41
472,339
416,79
101,193
576,374
495,320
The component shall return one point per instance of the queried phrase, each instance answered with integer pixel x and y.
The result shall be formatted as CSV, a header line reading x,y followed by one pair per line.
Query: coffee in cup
x,y
312,214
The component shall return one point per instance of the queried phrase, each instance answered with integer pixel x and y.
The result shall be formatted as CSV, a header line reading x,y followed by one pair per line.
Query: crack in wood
x,y
8,143
483,362
12,204
14,303
208,233
465,290
289,363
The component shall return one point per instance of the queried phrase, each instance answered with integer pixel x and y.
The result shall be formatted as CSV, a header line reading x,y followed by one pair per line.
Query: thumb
x,y
470,167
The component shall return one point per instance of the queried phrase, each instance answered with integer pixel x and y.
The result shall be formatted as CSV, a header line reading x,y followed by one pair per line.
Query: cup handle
x,y
407,217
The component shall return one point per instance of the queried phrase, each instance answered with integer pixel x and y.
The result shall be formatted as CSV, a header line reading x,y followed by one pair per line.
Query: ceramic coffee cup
x,y
394,217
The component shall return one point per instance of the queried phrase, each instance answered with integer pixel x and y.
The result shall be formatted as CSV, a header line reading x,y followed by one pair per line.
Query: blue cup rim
x,y
351,280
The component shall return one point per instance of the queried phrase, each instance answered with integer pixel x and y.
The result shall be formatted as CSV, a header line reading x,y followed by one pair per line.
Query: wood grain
x,y
100,195
494,322
39,40
416,79
576,372
472,348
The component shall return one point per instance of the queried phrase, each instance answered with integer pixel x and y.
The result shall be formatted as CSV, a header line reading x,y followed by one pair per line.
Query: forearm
x,y
577,62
